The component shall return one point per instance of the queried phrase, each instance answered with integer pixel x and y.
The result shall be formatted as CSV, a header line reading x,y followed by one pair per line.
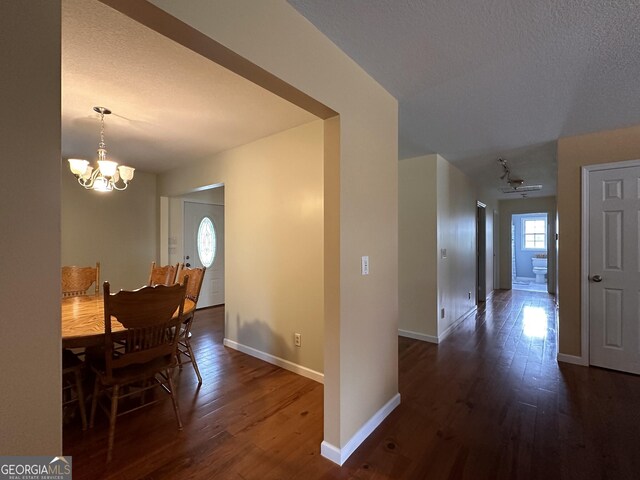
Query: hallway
x,y
490,402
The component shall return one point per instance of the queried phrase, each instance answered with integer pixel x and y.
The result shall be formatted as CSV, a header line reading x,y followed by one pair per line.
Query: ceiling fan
x,y
516,185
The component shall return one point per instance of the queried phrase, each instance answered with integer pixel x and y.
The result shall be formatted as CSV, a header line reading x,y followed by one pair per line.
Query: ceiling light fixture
x,y
515,184
108,175
523,188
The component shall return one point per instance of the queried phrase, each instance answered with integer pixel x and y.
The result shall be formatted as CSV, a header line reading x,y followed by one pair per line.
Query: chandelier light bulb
x,y
78,166
107,167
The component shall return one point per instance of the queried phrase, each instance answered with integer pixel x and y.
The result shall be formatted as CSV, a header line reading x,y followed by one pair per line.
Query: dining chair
x,y
72,391
142,356
77,280
162,275
196,277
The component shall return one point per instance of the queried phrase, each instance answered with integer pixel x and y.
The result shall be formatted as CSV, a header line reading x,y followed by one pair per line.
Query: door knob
x,y
596,278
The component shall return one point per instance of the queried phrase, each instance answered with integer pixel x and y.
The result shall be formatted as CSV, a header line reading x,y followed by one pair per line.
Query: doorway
x,y
204,247
529,254
481,253
183,218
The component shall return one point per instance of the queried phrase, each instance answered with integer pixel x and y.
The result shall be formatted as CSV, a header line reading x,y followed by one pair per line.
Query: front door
x,y
614,268
204,246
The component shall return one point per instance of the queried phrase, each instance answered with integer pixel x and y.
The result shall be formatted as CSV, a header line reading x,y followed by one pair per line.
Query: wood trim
x,y
417,336
164,230
331,452
272,359
340,455
584,269
439,338
453,326
573,359
165,24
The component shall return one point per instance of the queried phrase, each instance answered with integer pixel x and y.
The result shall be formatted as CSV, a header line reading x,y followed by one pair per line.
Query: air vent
x,y
521,189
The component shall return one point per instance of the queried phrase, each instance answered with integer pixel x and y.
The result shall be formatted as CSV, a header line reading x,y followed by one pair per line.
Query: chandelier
x,y
108,175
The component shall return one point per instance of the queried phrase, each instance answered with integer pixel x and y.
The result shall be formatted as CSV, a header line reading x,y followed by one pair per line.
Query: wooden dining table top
x,y
83,320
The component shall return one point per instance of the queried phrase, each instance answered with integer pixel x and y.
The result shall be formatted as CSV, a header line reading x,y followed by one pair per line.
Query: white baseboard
x,y
340,455
452,327
280,362
417,336
575,360
330,452
430,338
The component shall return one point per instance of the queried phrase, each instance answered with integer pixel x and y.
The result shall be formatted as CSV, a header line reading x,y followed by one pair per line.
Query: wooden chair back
x,y
77,280
151,316
162,275
196,276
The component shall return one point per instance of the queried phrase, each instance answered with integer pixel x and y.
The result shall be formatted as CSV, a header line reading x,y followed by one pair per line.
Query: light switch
x,y
365,265
443,253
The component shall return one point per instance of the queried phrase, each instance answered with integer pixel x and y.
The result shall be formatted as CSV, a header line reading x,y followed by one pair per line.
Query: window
x,y
206,242
534,233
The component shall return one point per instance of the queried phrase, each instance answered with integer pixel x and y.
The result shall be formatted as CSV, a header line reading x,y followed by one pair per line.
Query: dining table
x,y
83,320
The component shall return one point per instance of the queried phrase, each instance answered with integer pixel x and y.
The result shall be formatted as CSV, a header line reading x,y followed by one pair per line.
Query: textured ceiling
x,y
170,106
476,80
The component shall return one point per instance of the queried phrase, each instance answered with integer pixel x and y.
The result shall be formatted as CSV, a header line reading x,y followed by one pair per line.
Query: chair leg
x,y
94,401
173,398
112,420
193,360
179,357
83,411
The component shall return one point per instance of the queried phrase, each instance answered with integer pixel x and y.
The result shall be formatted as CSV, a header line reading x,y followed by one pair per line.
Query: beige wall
x,y
117,229
456,211
213,196
273,240
363,379
437,210
358,381
417,247
573,153
31,412
525,205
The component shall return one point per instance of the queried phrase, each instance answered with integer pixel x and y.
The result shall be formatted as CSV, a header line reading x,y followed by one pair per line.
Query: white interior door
x,y
204,246
614,268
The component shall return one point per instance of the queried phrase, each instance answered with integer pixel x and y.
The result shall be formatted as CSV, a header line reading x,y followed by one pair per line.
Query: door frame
x,y
183,206
481,252
550,238
584,252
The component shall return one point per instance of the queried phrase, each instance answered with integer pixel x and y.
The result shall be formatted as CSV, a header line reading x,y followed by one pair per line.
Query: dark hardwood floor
x,y
490,402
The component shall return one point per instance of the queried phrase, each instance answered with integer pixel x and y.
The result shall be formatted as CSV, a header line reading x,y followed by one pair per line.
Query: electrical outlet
x,y
297,339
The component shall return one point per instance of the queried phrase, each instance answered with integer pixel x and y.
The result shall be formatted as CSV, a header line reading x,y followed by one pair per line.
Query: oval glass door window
x,y
206,242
